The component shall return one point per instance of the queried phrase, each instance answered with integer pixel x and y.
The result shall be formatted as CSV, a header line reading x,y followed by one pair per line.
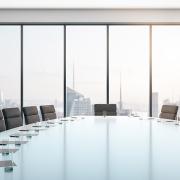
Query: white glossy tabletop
x,y
99,148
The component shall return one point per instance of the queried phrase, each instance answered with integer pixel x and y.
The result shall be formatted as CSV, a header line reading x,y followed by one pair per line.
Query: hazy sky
x,y
43,62
10,61
166,62
129,58
86,49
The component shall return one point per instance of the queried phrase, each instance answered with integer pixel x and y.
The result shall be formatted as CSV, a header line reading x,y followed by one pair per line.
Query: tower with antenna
x,y
73,77
120,97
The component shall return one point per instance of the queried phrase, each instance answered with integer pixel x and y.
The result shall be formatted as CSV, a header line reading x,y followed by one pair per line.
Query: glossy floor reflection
x,y
98,148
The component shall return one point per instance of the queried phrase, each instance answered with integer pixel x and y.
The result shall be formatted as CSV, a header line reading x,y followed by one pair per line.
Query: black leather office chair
x,y
105,109
2,123
169,112
31,114
12,117
48,112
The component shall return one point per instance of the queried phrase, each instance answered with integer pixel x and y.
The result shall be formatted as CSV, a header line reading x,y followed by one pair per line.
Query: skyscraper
x,y
120,96
77,104
155,111
122,111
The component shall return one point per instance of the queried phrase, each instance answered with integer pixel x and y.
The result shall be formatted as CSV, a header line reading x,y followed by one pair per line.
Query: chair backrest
x,y
2,123
12,117
169,112
48,112
31,114
105,109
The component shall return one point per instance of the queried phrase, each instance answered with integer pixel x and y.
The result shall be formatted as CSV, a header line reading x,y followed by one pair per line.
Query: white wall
x,y
90,15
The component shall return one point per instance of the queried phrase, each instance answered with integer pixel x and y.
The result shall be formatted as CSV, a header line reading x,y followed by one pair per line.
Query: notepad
x,y
5,142
5,151
7,163
50,125
24,130
23,134
64,120
39,129
50,122
36,126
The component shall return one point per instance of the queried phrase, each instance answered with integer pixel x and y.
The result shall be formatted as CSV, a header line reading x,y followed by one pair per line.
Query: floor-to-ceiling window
x,y
129,69
43,66
85,68
165,66
10,58
86,65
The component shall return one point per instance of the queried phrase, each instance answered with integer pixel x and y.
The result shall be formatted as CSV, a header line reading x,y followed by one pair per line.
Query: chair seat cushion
x,y
1,115
48,109
11,112
172,109
32,119
110,109
31,110
2,126
12,117
48,112
167,116
50,116
14,122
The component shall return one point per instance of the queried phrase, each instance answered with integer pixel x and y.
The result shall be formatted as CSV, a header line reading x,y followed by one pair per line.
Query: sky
x,y
43,62
86,49
129,63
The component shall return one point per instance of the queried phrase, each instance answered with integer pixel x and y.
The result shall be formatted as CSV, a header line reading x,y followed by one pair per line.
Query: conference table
x,y
95,148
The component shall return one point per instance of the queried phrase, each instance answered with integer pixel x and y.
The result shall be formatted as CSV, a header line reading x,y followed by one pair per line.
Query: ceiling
x,y
90,4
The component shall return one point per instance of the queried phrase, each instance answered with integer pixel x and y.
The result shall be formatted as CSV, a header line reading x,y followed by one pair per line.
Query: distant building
x,y
125,112
77,104
1,99
155,110
122,111
81,106
167,102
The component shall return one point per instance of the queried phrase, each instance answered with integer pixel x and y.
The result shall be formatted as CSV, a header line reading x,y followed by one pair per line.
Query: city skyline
x,y
86,53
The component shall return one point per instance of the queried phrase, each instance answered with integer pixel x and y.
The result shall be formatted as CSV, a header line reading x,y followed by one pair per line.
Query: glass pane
x,y
129,69
166,65
86,68
43,66
10,58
